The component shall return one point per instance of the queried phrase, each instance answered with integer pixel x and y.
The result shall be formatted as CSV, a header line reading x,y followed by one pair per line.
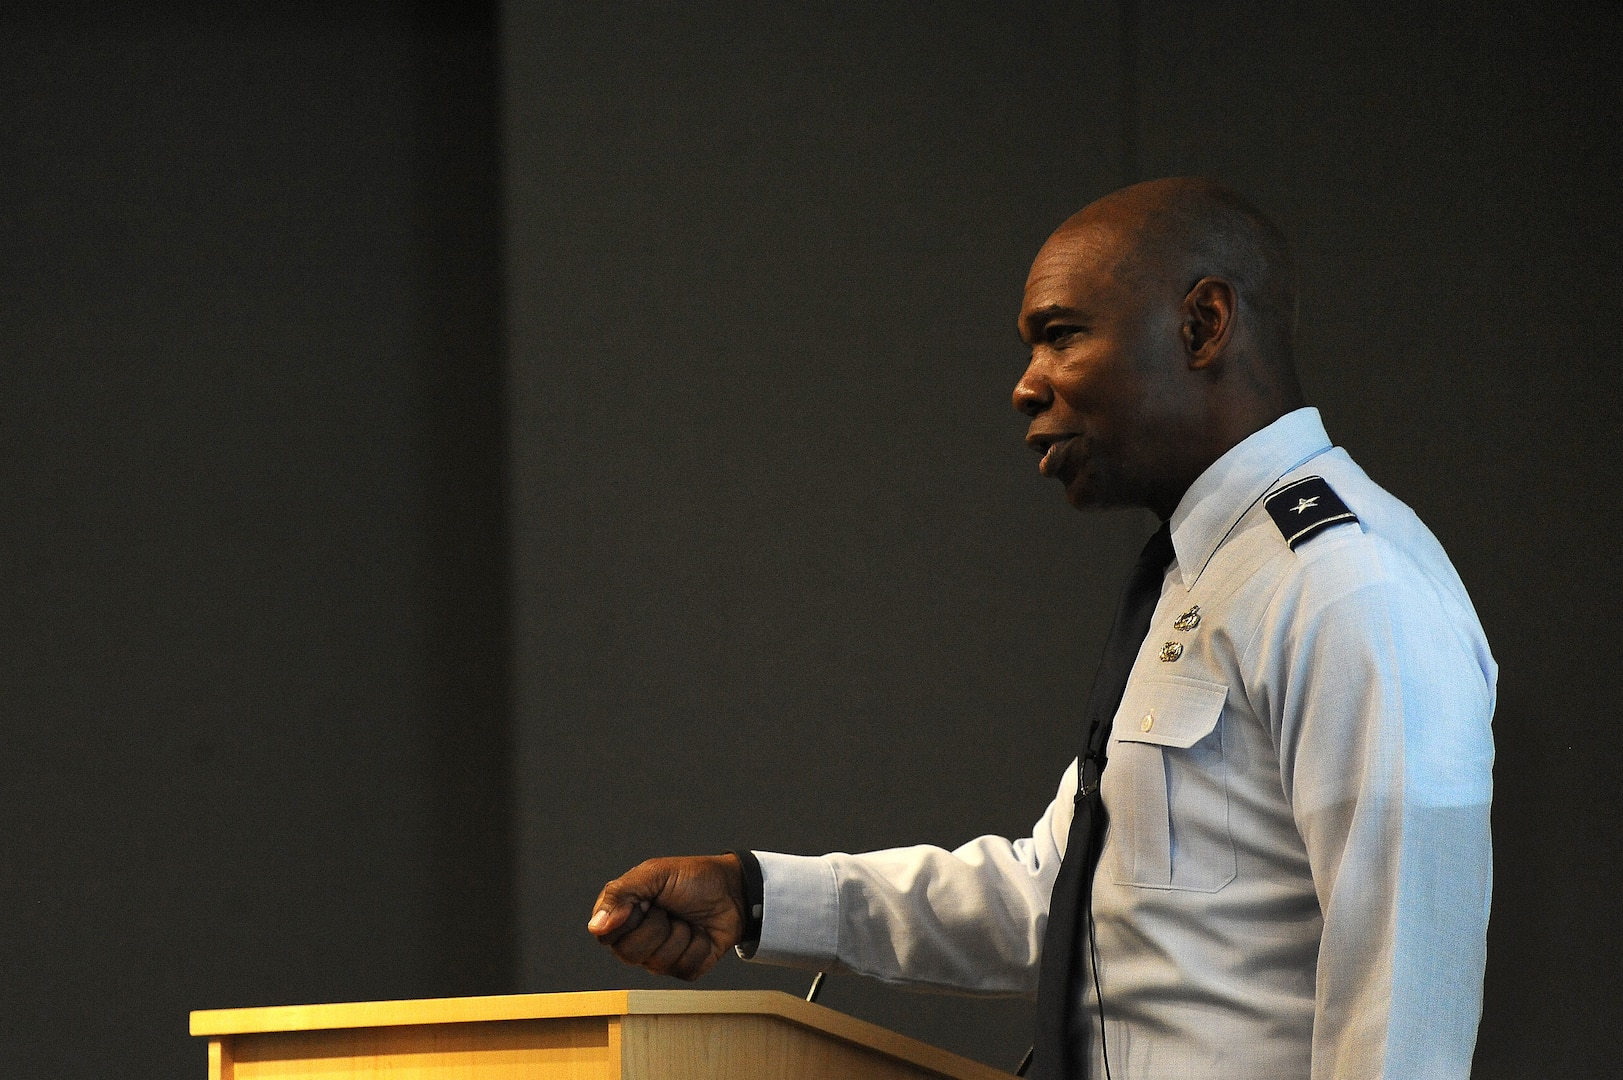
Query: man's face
x,y
1103,370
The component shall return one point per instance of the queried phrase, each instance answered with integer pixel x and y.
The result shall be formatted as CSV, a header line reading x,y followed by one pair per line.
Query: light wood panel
x,y
749,1048
565,1048
804,1014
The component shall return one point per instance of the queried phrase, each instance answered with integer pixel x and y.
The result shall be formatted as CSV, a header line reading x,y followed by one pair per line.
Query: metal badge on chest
x,y
1172,651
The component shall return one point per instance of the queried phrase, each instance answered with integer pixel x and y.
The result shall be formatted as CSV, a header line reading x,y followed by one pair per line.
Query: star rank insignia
x,y
1305,508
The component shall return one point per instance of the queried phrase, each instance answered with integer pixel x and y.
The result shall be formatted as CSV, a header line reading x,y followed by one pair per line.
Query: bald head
x,y
1177,230
1160,321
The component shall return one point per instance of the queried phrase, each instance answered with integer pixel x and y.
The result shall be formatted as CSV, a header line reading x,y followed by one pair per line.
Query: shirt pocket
x,y
1166,787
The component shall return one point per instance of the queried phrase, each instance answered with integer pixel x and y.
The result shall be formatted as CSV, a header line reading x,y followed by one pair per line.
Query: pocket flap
x,y
1170,710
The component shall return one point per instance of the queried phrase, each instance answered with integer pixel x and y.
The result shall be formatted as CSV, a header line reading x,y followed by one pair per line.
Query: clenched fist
x,y
673,916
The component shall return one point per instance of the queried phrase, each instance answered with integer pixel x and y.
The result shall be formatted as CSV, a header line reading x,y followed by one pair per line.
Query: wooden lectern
x,y
602,1035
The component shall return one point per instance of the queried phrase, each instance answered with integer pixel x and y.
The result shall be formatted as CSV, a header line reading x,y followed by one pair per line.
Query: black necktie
x,y
1062,1034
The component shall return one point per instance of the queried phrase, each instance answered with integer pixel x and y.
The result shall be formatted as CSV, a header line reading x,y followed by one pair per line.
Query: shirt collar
x,y
1233,483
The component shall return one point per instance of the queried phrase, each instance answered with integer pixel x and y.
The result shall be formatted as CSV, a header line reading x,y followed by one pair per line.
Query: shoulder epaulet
x,y
1305,508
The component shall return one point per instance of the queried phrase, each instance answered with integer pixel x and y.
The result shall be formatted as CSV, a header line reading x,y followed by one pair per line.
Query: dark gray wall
x,y
785,575
252,639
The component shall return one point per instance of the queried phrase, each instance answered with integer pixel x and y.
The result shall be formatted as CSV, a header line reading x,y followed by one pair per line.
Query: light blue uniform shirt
x,y
1296,875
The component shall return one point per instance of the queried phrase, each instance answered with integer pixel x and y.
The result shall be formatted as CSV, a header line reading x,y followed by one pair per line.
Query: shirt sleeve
x,y
969,920
1380,690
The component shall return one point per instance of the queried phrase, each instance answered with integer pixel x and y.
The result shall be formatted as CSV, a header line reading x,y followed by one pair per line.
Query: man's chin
x,y
1086,493
1082,495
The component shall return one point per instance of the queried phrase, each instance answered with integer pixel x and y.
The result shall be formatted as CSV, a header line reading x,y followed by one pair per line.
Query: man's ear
x,y
1209,312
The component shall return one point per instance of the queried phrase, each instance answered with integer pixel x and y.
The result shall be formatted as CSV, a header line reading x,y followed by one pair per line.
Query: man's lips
x,y
1054,455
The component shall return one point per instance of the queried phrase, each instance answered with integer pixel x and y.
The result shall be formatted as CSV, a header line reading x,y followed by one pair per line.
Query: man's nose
x,y
1032,393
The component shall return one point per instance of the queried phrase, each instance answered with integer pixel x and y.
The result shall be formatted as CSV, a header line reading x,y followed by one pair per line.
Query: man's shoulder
x,y
1325,525
1353,536
1328,508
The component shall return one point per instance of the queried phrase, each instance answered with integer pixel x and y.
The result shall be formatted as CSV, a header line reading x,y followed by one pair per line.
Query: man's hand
x,y
673,916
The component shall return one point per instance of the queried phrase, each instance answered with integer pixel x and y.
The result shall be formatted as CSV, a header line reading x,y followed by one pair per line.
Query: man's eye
x,y
1058,334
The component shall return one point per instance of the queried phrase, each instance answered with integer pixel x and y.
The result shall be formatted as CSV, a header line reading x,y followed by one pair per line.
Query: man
x,y
1294,880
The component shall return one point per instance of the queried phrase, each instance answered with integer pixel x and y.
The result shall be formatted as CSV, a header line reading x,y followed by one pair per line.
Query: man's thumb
x,y
621,905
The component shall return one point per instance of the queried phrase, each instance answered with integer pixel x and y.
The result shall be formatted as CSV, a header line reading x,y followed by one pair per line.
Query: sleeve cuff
x,y
800,916
750,868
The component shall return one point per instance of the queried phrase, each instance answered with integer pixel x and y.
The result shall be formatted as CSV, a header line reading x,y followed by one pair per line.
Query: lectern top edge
x,y
358,1014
